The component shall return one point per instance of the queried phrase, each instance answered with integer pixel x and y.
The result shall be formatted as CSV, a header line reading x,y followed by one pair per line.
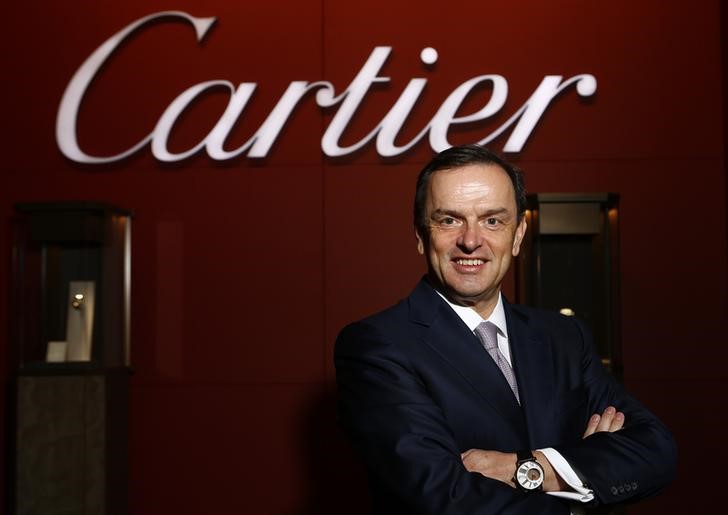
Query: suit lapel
x,y
449,337
531,355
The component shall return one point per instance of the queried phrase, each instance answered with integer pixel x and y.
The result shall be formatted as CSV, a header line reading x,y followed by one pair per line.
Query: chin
x,y
469,288
466,295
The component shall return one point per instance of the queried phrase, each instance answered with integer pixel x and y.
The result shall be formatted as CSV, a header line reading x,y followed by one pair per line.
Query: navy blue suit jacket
x,y
416,388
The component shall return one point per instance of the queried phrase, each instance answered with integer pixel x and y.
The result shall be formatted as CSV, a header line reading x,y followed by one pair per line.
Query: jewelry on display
x,y
77,301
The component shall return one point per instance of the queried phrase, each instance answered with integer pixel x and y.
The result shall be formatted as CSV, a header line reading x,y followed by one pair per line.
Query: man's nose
x,y
471,238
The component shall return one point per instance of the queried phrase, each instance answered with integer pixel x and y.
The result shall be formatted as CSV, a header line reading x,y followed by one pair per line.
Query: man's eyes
x,y
449,221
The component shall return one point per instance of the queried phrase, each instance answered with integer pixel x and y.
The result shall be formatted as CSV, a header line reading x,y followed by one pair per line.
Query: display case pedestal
x,y
71,442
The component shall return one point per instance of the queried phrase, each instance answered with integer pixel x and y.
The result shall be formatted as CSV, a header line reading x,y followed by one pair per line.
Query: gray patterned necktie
x,y
487,333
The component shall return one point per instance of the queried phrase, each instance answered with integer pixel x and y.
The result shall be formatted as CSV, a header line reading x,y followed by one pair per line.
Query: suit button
x,y
627,487
621,489
614,490
634,485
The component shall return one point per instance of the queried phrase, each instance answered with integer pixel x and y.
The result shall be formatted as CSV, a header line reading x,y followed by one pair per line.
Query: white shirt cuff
x,y
581,493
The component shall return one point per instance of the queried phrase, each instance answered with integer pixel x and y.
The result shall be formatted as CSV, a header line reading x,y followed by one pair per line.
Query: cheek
x,y
440,244
436,255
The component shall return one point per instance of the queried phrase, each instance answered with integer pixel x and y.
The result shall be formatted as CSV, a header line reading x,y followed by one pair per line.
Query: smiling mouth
x,y
470,262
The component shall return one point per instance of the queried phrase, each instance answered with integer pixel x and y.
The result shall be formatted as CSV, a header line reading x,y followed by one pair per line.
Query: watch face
x,y
529,475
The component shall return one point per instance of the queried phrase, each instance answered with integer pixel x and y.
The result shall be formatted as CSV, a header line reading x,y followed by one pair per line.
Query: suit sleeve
x,y
404,439
635,462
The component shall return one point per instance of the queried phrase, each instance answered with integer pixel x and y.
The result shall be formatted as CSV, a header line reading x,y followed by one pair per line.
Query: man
x,y
460,403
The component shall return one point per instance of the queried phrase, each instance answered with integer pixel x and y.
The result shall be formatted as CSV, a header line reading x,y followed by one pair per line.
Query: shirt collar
x,y
472,319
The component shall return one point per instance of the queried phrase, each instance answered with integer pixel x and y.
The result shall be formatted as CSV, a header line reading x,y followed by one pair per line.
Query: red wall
x,y
243,272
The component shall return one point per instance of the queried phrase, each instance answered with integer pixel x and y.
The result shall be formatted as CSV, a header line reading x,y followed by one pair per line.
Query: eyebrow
x,y
452,212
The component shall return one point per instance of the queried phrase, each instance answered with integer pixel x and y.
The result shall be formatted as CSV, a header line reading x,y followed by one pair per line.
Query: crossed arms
x,y
502,466
418,427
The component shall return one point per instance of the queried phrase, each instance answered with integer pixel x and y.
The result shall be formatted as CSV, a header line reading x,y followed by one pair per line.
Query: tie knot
x,y
487,332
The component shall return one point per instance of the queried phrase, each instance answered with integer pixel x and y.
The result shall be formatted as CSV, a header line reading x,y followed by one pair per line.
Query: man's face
x,y
474,232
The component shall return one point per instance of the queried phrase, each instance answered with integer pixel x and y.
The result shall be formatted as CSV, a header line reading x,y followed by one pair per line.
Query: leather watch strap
x,y
524,455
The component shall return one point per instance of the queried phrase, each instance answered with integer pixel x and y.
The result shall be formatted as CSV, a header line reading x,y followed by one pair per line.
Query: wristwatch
x,y
529,472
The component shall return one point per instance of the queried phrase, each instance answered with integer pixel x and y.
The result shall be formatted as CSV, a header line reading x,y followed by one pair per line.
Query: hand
x,y
502,466
610,421
492,464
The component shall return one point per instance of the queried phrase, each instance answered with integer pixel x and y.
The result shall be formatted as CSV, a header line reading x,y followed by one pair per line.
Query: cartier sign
x,y
347,101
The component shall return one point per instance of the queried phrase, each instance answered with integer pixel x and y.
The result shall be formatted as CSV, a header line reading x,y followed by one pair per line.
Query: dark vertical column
x,y
724,89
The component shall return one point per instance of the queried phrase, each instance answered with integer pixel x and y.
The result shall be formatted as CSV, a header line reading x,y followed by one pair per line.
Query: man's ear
x,y
518,238
420,242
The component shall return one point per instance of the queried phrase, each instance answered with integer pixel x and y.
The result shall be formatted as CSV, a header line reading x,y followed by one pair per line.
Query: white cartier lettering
x,y
349,101
71,102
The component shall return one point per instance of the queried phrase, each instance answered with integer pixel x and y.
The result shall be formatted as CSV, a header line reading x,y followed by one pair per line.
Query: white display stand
x,y
79,327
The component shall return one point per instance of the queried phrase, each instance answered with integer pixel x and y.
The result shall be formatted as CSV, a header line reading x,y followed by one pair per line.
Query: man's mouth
x,y
470,262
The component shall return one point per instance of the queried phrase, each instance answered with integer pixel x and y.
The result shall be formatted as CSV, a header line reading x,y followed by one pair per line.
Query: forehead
x,y
477,183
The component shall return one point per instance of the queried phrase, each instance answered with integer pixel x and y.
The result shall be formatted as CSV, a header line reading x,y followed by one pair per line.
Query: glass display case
x,y
569,262
71,281
69,328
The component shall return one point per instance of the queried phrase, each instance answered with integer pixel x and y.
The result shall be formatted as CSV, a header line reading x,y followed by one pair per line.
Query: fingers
x,y
591,426
606,420
617,422
610,421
